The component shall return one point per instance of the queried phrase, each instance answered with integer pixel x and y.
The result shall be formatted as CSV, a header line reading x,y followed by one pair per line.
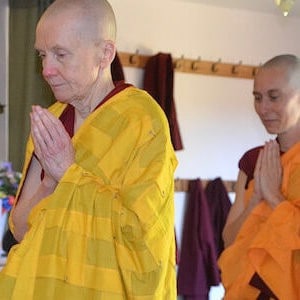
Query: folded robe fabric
x,y
268,244
198,269
107,231
158,82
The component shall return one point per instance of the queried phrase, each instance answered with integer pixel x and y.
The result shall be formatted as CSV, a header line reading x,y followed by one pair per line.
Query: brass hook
x,y
214,68
235,67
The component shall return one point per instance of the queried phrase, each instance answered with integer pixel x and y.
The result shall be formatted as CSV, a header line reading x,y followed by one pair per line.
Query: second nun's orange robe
x,y
268,244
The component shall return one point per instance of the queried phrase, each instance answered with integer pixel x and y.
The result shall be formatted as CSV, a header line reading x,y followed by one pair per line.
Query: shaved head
x,y
289,65
76,42
94,19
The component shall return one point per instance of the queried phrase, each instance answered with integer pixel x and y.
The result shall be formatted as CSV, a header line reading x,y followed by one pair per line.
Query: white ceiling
x,y
265,6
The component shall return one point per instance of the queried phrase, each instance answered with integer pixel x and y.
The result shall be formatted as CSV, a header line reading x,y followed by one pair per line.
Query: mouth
x,y
269,121
271,125
55,84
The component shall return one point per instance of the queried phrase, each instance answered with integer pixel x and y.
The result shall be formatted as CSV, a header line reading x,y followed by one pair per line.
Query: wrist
x,y
275,200
49,183
254,200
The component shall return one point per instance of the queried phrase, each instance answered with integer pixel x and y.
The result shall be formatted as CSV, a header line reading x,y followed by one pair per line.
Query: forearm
x,y
24,206
233,226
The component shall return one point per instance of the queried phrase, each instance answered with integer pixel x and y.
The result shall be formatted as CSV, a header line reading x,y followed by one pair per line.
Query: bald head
x,y
289,66
76,42
94,18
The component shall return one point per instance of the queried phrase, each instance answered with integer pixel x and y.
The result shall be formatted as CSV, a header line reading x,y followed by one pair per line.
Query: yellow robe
x,y
268,243
107,231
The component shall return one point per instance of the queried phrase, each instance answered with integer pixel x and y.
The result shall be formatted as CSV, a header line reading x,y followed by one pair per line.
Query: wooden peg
x,y
178,64
195,65
234,69
133,58
214,68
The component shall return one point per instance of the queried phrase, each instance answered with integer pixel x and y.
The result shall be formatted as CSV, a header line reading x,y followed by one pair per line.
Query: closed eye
x,y
257,96
274,95
60,56
41,54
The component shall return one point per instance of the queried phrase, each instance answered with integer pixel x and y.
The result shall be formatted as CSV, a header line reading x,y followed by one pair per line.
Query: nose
x,y
49,67
262,106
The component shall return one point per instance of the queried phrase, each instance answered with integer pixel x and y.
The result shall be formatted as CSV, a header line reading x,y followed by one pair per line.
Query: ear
x,y
108,55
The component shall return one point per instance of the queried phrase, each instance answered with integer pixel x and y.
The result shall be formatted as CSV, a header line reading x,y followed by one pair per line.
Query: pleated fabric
x,y
107,231
268,245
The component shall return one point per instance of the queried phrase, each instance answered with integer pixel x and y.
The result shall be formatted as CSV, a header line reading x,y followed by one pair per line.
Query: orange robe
x,y
268,243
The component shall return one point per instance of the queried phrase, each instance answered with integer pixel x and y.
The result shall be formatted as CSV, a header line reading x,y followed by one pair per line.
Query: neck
x,y
288,139
84,107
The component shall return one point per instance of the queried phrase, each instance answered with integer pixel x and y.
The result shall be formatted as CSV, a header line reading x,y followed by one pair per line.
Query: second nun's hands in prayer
x,y
268,174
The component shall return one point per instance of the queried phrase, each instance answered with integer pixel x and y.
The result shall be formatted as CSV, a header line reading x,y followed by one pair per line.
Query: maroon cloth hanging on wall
x,y
158,82
219,205
198,268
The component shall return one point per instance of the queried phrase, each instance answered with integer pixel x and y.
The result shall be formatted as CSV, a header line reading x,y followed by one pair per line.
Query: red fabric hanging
x,y
158,82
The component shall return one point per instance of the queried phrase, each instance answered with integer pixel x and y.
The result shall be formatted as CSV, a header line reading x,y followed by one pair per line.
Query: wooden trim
x,y
182,185
195,66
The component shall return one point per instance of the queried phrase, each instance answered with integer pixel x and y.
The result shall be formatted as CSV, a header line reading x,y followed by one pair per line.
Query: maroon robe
x,y
219,205
158,82
198,269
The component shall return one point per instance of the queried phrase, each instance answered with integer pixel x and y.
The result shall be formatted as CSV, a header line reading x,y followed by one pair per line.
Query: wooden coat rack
x,y
182,185
198,66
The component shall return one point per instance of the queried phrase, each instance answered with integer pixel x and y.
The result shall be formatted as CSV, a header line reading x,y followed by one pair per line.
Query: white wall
x,y
216,114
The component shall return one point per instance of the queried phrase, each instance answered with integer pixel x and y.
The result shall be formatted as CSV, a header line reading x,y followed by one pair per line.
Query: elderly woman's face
x,y
70,62
275,101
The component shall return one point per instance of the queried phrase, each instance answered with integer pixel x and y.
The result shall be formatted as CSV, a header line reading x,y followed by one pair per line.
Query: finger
x,y
38,141
51,131
274,156
40,134
53,124
39,119
44,147
257,174
257,169
258,163
277,158
265,160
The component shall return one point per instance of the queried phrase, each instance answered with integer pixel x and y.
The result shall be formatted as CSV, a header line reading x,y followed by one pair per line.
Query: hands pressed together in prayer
x,y
52,143
268,175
